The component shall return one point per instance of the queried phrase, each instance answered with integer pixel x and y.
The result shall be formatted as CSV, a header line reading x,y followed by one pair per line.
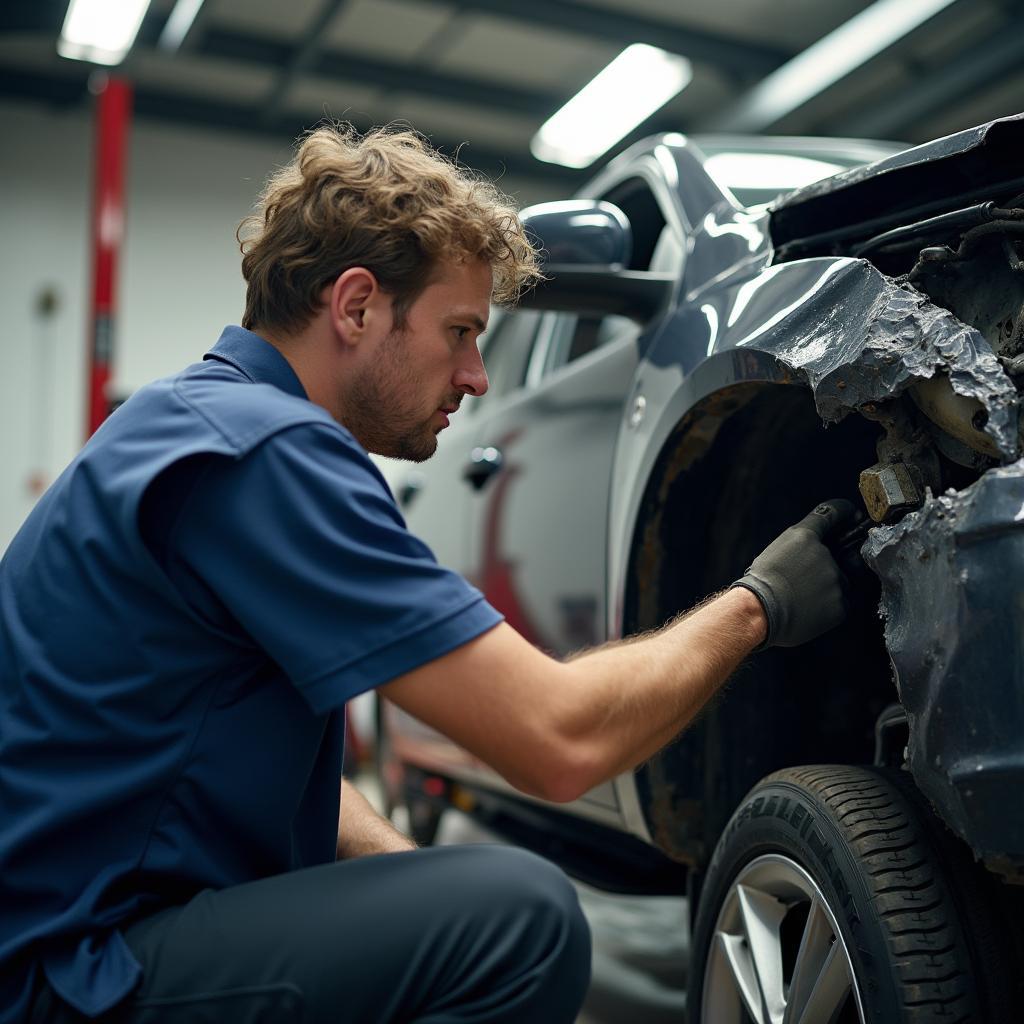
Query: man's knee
x,y
508,880
530,923
559,923
535,884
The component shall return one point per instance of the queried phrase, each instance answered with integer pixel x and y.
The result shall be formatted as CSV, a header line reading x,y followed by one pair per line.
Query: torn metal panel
x,y
867,339
953,608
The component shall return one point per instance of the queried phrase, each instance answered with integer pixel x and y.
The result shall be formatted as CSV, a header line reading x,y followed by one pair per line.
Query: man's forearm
x,y
555,729
362,831
636,696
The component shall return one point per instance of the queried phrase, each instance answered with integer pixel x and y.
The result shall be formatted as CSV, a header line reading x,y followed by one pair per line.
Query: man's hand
x,y
362,831
555,729
797,580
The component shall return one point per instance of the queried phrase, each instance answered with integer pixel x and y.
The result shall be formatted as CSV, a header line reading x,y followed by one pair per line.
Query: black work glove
x,y
797,580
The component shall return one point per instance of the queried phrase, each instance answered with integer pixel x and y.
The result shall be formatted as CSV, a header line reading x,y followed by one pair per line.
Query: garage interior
x,y
478,77
219,92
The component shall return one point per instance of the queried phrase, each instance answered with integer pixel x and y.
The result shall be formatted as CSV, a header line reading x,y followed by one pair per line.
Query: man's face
x,y
405,392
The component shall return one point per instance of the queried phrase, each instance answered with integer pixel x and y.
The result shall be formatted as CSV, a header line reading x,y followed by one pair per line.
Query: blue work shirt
x,y
182,616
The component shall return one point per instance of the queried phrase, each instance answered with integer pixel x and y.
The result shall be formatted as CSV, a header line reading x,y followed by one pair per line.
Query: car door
x,y
539,473
536,458
433,496
438,503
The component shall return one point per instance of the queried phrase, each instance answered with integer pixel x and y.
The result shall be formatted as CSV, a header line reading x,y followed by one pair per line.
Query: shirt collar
x,y
257,359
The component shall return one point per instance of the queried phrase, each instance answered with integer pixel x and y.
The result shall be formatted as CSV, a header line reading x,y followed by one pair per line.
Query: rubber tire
x,y
920,919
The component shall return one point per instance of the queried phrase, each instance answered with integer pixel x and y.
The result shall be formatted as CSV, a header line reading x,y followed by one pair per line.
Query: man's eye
x,y
461,332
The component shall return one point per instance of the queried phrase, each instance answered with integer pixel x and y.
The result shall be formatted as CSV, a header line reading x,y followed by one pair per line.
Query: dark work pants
x,y
449,935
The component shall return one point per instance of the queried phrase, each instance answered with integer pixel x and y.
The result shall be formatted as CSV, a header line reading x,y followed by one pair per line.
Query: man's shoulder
x,y
262,422
242,412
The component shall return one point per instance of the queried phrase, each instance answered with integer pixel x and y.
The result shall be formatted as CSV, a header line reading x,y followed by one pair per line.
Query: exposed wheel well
x,y
744,465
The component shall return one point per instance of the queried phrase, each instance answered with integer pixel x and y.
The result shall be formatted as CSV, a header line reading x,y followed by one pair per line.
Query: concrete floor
x,y
641,943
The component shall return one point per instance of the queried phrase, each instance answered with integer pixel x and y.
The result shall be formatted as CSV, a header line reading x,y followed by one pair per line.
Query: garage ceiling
x,y
484,74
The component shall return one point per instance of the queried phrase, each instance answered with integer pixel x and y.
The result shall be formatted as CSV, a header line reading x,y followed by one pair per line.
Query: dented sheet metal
x,y
864,339
953,606
909,339
952,600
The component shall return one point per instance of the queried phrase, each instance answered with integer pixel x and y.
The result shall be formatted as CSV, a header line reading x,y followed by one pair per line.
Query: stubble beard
x,y
372,416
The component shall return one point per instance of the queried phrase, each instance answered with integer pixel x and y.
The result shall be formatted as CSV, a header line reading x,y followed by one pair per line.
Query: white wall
x,y
179,277
180,281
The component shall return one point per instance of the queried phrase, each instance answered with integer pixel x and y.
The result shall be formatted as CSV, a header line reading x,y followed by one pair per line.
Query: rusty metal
x,y
677,823
888,490
691,440
906,444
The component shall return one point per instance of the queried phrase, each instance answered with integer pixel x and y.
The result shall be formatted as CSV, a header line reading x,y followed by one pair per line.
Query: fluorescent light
x,y
639,81
828,60
101,31
179,21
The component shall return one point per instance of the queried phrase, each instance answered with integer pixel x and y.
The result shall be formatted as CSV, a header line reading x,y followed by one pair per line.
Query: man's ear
x,y
349,297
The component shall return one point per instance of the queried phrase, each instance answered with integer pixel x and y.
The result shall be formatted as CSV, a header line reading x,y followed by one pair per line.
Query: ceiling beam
x,y
999,55
263,52
302,58
738,58
33,15
308,57
743,61
71,91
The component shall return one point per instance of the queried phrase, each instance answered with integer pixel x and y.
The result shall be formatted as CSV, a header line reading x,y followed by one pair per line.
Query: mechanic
x,y
186,612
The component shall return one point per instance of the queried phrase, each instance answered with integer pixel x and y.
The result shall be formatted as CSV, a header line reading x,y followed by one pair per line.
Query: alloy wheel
x,y
777,955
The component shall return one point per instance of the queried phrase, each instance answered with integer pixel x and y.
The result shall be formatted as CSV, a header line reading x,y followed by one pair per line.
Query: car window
x,y
564,337
506,352
646,220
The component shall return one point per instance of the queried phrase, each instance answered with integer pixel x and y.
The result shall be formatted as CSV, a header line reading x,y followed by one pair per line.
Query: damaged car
x,y
701,367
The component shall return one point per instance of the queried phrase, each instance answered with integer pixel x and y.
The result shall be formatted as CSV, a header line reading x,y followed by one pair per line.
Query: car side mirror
x,y
585,251
580,233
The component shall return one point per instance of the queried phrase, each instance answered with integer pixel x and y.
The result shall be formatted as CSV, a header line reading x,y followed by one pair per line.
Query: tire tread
x,y
913,902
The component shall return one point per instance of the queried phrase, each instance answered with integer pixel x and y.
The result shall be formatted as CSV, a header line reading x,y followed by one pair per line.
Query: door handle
x,y
483,464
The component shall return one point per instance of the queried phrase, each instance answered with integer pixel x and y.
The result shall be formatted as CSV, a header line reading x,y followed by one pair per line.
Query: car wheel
x,y
834,896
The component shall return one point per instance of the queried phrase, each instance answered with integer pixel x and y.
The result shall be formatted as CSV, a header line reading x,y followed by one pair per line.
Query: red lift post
x,y
113,119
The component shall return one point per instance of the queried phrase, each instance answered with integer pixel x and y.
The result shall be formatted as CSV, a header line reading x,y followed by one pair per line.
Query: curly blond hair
x,y
386,201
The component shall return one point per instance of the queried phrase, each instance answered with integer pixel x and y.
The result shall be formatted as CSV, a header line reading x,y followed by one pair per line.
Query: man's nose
x,y
471,377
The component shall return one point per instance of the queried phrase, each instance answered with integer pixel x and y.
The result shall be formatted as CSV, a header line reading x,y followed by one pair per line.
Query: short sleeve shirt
x,y
182,618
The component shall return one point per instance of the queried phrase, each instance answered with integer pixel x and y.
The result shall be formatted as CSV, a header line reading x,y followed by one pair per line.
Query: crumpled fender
x,y
953,606
858,337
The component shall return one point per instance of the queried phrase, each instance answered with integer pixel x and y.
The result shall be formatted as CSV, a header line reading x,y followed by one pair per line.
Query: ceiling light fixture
x,y
825,62
636,84
100,31
179,21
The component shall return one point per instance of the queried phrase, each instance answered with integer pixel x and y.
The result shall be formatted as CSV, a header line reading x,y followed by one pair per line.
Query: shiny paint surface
x,y
550,538
535,537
